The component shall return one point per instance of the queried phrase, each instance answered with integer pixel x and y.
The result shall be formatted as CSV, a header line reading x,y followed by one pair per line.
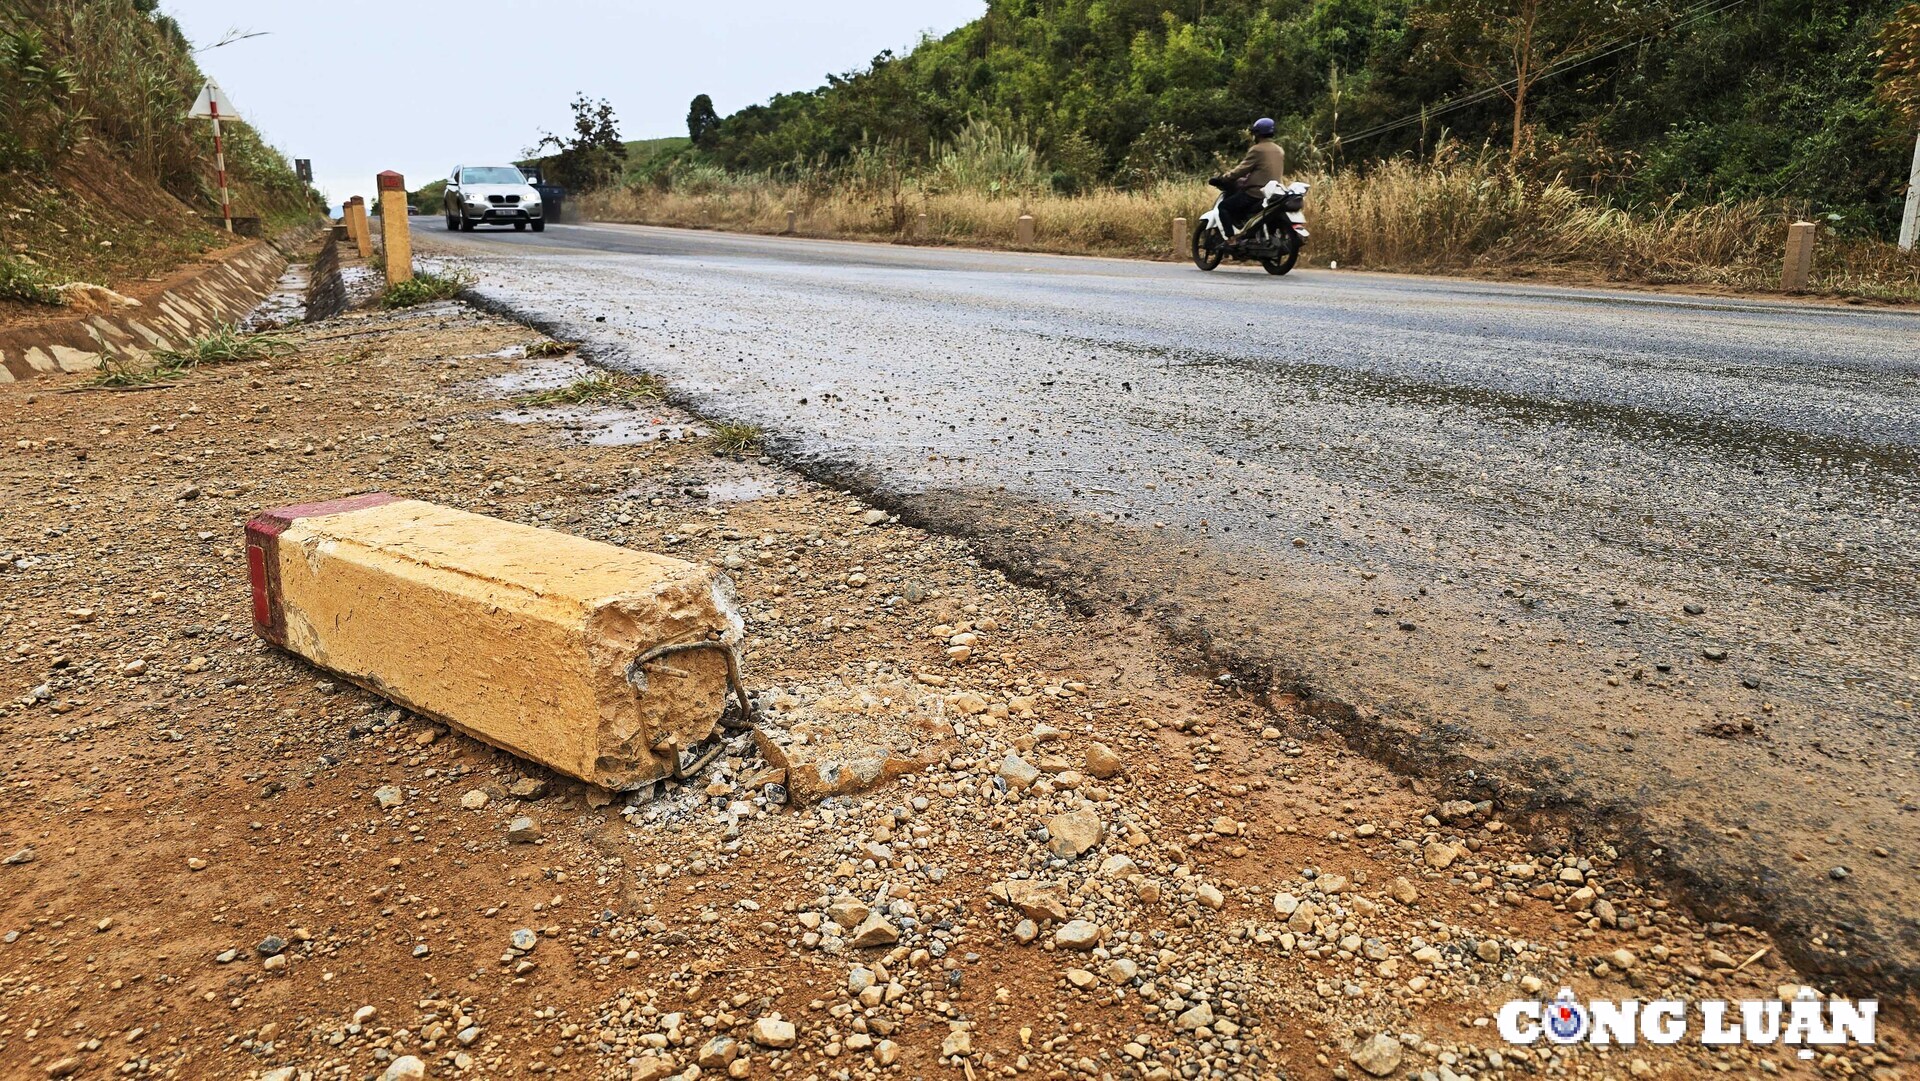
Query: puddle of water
x,y
607,427
286,305
742,490
534,377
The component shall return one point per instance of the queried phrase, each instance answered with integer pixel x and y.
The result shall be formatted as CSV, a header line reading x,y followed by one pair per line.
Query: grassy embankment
x,y
1455,213
108,181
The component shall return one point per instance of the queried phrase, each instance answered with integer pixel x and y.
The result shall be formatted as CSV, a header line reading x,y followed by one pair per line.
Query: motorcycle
x,y
1272,237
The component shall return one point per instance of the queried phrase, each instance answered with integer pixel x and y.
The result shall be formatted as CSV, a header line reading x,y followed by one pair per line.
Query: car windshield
x,y
491,174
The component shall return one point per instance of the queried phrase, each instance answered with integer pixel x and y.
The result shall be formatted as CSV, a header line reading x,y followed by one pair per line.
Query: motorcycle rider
x,y
1265,161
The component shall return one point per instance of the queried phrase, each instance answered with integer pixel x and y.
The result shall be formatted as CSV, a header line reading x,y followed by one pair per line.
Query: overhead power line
x,y
1702,10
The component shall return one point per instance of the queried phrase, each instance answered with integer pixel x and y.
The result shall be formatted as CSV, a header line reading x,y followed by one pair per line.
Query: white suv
x,y
492,195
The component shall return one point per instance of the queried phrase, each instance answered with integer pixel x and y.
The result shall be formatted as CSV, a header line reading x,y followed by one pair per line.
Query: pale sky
x,y
475,81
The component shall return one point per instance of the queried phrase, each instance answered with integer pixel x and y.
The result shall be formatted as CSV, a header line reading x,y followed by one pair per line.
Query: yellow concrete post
x,y
357,225
792,220
1023,230
1180,238
1799,261
548,645
395,237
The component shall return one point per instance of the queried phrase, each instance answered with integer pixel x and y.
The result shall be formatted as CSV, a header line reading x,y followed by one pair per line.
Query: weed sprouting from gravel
x,y
598,387
547,347
424,289
736,438
224,346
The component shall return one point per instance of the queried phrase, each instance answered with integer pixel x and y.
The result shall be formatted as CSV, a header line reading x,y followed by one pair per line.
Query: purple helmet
x,y
1263,126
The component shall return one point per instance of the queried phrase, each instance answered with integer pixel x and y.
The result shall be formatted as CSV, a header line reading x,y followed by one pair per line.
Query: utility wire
x,y
1688,17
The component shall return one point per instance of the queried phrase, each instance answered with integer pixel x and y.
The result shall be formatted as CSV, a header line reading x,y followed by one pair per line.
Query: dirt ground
x,y
202,881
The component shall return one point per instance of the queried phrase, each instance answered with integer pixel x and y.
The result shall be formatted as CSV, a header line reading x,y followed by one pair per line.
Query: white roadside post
x,y
1910,221
208,106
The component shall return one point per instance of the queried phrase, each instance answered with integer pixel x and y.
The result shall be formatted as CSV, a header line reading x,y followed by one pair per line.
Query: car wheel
x,y
451,224
467,224
519,227
540,226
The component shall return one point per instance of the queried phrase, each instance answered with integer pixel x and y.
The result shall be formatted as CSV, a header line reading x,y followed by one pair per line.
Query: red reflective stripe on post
x,y
257,578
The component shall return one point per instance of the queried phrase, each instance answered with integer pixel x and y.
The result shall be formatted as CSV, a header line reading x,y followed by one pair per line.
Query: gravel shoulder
x,y
1637,563
1096,859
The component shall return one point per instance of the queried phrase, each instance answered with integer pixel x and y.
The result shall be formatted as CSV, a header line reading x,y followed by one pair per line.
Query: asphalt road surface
x,y
1642,562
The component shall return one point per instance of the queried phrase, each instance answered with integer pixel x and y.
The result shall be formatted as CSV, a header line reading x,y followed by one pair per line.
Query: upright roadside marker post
x,y
357,226
1023,230
1799,263
208,106
1910,221
394,237
1179,234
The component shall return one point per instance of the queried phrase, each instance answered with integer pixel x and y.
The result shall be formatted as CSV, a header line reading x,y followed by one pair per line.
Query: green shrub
x,y
23,279
424,289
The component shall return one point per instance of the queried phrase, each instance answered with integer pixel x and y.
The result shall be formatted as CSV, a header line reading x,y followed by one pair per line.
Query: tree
x,y
593,155
1510,45
1899,53
701,120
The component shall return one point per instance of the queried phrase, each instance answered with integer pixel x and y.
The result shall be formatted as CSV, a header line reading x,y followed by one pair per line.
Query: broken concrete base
x,y
852,738
522,637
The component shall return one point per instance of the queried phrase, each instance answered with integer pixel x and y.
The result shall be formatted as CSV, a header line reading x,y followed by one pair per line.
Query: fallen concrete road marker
x,y
602,663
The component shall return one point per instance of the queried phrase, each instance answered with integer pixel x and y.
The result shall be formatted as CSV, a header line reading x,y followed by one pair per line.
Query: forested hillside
x,y
1638,101
108,181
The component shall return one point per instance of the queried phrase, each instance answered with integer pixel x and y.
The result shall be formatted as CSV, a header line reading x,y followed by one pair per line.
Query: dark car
x,y
553,196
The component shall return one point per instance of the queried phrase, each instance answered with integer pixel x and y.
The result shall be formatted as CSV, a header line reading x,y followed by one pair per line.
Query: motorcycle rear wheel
x,y
1205,256
1281,266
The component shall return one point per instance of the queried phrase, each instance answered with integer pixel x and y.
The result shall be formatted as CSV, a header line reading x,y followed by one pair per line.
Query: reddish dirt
x,y
186,790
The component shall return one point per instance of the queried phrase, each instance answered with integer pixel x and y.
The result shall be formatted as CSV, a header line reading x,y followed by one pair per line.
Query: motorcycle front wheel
x,y
1205,256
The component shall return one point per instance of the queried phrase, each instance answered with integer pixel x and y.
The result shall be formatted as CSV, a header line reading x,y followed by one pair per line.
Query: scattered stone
x,y
875,931
1439,855
523,830
528,788
1077,935
1034,900
1102,762
473,799
773,1032
1196,1017
524,940
958,1044
1403,891
405,1068
25,855
1378,1054
1018,773
718,1053
388,797
1072,833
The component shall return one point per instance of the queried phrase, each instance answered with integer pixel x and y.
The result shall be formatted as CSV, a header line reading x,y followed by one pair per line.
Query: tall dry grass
x,y
1454,213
